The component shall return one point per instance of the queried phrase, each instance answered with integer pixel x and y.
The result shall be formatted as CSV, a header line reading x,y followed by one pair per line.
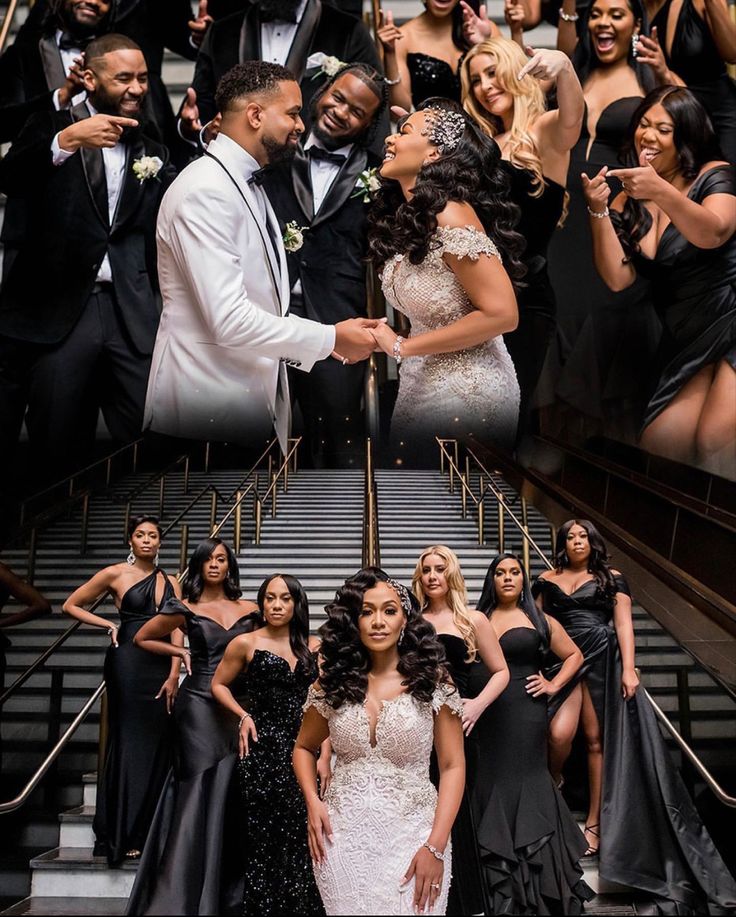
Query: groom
x,y
225,335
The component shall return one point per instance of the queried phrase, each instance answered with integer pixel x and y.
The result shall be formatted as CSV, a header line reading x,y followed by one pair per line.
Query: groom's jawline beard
x,y
278,152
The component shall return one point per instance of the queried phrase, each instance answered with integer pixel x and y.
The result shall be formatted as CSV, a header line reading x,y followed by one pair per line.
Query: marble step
x,y
65,870
68,906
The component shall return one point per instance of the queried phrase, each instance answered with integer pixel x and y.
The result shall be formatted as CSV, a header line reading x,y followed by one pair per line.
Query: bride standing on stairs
x,y
140,692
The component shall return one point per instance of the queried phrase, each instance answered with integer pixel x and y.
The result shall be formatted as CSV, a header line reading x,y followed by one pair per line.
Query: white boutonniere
x,y
294,236
367,185
328,65
147,167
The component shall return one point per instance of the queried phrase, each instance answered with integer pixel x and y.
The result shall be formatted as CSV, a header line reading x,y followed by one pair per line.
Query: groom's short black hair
x,y
251,78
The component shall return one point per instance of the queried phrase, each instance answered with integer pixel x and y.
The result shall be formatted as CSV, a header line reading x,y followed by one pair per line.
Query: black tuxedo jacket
x,y
237,38
68,232
330,263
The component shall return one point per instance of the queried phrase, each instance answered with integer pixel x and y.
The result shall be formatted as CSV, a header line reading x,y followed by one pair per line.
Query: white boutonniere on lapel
x,y
327,64
147,167
294,236
367,185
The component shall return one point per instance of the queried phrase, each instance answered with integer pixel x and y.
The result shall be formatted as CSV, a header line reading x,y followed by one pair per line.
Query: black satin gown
x,y
279,878
431,76
530,846
140,736
643,797
694,292
192,862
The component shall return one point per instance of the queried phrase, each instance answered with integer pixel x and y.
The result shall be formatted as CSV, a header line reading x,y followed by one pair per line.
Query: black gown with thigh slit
x,y
140,737
643,797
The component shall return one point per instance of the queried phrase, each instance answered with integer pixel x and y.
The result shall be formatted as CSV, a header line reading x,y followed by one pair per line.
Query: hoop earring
x,y
130,559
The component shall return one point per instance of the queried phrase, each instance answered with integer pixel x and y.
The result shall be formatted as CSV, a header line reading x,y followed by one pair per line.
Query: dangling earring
x,y
401,635
155,559
635,45
130,559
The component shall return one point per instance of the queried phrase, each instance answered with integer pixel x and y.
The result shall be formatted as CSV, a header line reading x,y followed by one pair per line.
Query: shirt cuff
x,y
59,156
55,99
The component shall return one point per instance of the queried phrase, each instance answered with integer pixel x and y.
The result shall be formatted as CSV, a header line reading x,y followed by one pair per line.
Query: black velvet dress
x,y
431,76
279,878
192,862
643,797
529,844
140,737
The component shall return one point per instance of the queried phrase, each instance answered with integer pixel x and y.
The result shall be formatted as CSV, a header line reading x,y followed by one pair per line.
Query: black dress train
x,y
643,796
278,870
140,737
529,843
192,863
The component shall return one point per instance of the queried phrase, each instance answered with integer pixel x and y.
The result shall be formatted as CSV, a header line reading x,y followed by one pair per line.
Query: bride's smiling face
x,y
408,149
381,619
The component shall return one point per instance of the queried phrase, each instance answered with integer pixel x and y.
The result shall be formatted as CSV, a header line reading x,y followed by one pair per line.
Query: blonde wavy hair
x,y
457,594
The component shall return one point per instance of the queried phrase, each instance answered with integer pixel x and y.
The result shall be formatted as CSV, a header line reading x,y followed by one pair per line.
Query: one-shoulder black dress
x,y
140,736
643,797
192,862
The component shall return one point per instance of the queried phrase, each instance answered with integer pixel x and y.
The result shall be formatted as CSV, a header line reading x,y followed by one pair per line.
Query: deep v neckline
x,y
373,733
222,626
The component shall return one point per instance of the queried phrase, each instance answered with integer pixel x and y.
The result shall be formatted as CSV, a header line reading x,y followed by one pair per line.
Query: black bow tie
x,y
257,177
316,152
69,42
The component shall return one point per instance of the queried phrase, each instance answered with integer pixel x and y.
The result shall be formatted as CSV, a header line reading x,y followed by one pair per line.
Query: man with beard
x,y
298,34
78,309
324,190
219,364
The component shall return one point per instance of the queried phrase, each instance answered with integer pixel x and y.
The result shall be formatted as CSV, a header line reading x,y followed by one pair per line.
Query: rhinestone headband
x,y
403,594
444,128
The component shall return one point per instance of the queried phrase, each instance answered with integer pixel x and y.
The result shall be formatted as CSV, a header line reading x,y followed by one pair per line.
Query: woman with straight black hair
x,y
280,663
674,223
191,863
635,790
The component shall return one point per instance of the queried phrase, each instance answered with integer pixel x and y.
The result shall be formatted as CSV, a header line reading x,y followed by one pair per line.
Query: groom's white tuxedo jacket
x,y
218,369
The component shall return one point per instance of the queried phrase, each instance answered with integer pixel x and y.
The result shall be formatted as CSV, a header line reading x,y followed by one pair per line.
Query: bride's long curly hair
x,y
470,173
345,662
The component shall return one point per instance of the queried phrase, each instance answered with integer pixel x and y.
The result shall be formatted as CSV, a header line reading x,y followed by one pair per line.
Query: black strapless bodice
x,y
522,648
456,653
139,605
431,76
539,215
275,695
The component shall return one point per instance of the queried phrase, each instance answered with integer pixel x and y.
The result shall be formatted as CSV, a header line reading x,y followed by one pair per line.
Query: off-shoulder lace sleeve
x,y
466,242
316,699
446,695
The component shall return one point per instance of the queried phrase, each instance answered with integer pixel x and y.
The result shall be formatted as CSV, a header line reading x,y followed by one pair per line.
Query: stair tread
x,y
77,858
61,907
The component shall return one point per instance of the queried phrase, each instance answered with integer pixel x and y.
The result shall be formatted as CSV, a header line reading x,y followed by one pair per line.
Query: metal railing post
x,y
481,521
135,458
259,518
452,477
32,548
186,475
274,494
464,495
126,520
54,725
238,520
206,458
108,471
85,524
213,510
161,495
183,546
501,524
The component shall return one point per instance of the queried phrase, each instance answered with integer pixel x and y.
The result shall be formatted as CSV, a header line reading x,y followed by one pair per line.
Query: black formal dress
x,y
694,291
140,738
278,870
431,76
192,862
529,843
643,796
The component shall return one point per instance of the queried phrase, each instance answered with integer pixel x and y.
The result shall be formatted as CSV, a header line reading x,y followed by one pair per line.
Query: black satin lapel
x,y
343,186
132,190
93,166
53,66
296,60
250,36
302,183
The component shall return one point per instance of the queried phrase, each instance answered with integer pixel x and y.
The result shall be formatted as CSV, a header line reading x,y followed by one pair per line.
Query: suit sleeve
x,y
172,26
16,107
29,160
362,49
207,257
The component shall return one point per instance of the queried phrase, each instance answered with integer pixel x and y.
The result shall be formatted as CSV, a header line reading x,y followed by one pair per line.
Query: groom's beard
x,y
278,152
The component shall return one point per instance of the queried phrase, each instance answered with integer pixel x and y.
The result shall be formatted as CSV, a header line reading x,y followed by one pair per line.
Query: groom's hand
x,y
353,338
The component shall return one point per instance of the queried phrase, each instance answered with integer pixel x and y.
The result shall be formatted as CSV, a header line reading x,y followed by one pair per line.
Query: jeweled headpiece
x,y
403,594
444,127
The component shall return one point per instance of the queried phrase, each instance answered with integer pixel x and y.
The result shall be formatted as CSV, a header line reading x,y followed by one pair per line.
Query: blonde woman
x,y
503,94
467,637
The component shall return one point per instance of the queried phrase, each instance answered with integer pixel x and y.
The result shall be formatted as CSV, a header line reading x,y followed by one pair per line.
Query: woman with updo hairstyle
x,y
381,836
634,789
140,692
443,234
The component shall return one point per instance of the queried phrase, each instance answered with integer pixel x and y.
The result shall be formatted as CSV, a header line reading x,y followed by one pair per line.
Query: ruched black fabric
x,y
529,844
193,861
643,797
140,737
431,76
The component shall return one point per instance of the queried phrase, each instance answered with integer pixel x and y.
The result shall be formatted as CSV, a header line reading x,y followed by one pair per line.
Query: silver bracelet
x,y
435,852
599,215
243,718
396,349
389,82
568,17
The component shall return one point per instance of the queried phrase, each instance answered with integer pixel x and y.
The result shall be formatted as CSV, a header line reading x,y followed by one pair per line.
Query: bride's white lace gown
x,y
381,803
448,394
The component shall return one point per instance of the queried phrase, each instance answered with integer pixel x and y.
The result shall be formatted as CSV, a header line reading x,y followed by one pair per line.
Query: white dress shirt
x,y
68,56
323,173
115,159
278,36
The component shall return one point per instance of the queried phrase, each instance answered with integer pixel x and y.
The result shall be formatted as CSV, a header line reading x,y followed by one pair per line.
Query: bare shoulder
x,y
247,605
459,214
478,618
314,644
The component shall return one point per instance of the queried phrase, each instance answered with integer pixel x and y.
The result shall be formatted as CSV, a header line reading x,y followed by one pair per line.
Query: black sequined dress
x,y
431,76
278,870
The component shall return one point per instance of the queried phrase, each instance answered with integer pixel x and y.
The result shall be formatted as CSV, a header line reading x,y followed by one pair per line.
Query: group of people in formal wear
x,y
409,759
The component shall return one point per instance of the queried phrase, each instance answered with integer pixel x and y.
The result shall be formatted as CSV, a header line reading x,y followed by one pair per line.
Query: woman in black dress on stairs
x,y
140,692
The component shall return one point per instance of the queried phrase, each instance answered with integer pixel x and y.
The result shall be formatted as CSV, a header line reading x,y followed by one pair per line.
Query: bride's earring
x,y
635,45
130,559
401,635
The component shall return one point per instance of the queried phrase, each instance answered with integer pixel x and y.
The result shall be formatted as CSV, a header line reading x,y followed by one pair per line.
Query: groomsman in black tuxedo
x,y
78,307
325,189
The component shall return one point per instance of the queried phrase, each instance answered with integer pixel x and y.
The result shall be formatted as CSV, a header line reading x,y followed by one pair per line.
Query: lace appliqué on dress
x,y
447,696
466,242
317,700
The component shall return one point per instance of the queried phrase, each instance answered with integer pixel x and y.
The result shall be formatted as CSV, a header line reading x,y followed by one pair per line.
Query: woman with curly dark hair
x,y
380,838
443,233
634,789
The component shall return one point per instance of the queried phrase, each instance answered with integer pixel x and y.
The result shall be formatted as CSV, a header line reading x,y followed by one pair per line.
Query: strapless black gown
x,y
140,737
694,292
643,797
279,878
192,863
530,846
431,76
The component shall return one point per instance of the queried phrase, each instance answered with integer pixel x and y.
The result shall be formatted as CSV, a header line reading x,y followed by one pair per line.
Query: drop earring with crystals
x,y
635,45
130,559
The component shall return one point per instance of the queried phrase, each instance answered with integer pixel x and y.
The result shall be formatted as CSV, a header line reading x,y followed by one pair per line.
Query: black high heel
x,y
591,851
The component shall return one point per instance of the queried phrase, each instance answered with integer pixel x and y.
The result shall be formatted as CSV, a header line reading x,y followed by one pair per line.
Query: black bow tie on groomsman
x,y
69,42
317,153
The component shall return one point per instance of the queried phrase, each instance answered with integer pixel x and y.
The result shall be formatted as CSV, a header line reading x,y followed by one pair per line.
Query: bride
x,y
442,234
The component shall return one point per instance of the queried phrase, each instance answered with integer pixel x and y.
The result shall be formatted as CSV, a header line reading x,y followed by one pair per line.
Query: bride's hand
x,y
385,338
427,872
318,825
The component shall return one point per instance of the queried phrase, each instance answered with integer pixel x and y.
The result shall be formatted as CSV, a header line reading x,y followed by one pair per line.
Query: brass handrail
x,y
466,490
261,458
7,23
371,553
272,490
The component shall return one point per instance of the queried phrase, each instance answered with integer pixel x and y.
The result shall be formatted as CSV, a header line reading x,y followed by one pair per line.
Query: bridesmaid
x,y
635,789
191,862
140,693
280,663
529,843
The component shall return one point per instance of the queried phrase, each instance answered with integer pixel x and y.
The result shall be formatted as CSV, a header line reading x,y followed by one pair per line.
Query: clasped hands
x,y
357,338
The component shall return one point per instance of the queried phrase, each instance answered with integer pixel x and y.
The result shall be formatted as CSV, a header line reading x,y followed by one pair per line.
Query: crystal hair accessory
x,y
403,594
444,127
